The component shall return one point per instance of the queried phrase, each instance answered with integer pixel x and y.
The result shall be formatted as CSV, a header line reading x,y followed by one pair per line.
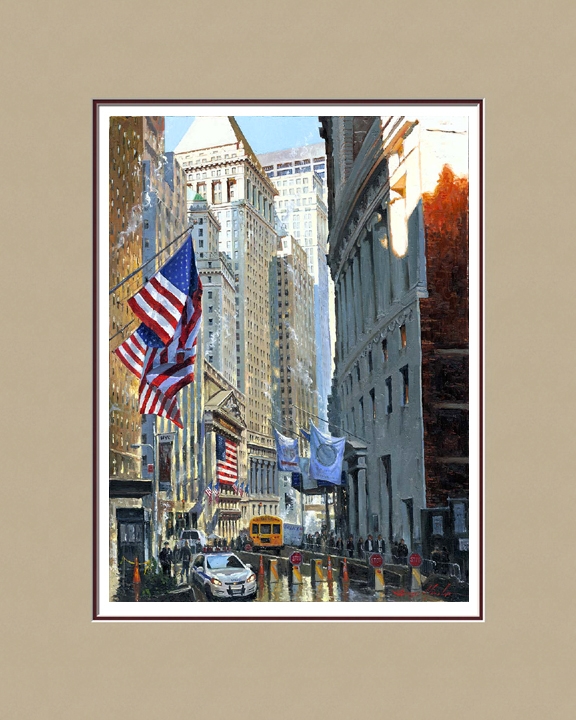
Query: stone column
x,y
367,284
341,325
350,314
357,297
381,263
351,506
362,500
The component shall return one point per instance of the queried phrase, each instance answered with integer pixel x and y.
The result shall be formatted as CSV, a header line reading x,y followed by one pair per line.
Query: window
x,y
373,399
403,336
385,350
389,395
405,388
370,361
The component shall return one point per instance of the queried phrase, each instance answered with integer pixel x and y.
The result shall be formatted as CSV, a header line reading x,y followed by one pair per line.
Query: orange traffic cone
x,y
345,577
329,572
136,577
261,569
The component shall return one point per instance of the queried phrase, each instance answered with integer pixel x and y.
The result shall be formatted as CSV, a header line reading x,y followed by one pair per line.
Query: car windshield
x,y
219,562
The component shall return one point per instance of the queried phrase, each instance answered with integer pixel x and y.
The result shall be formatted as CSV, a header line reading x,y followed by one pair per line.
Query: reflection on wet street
x,y
328,591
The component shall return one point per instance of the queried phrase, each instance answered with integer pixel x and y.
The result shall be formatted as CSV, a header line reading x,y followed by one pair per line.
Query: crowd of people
x,y
356,547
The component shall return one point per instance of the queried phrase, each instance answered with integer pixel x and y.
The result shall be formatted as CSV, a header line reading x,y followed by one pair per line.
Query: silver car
x,y
223,575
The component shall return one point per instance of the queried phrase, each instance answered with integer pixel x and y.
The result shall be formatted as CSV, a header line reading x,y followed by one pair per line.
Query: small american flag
x,y
216,493
208,491
226,460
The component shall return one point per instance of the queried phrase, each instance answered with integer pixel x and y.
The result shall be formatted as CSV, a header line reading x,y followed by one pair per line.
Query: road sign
x,y
376,560
296,558
415,560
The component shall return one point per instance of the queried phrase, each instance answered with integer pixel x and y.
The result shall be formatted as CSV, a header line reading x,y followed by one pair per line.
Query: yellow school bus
x,y
266,532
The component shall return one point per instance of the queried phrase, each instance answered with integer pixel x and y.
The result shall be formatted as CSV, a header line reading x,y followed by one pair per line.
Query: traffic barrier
x,y
317,571
296,575
273,566
261,568
416,580
329,571
379,584
136,576
344,573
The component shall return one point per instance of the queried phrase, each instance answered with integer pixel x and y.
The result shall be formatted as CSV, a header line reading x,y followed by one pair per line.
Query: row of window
x,y
388,398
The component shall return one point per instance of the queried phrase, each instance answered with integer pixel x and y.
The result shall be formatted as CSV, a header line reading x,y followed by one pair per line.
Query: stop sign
x,y
296,558
415,560
376,560
248,547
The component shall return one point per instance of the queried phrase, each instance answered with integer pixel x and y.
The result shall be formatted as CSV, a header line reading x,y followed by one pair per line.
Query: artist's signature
x,y
434,590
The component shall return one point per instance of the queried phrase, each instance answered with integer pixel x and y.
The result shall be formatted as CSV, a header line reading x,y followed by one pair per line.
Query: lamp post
x,y
154,497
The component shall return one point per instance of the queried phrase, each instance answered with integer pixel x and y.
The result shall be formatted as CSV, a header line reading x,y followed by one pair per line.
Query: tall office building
x,y
297,354
218,281
222,168
299,174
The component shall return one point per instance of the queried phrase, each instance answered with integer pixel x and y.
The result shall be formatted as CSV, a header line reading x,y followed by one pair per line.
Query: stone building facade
x,y
401,315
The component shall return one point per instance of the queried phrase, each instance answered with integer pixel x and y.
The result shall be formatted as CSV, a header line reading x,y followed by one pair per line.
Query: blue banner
x,y
326,456
287,453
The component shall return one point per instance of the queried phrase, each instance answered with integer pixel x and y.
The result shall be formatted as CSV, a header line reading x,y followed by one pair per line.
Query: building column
x,y
350,314
357,298
342,326
351,506
367,286
362,499
381,264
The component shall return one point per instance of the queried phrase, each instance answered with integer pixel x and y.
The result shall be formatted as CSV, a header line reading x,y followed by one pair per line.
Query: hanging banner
x,y
165,445
286,452
326,456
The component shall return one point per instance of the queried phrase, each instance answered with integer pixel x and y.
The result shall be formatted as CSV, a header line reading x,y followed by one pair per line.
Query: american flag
x,y
208,491
216,493
226,460
165,361
161,302
136,353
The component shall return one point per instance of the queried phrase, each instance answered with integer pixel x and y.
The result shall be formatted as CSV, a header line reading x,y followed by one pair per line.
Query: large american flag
x,y
226,460
137,353
162,351
161,302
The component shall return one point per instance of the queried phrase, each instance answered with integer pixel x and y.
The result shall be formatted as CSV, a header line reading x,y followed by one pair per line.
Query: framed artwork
x,y
288,360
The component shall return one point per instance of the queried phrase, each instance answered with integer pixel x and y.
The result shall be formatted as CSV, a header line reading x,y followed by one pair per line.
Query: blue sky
x,y
265,134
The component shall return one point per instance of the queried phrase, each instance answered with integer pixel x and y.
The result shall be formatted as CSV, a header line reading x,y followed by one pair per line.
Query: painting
x,y
288,366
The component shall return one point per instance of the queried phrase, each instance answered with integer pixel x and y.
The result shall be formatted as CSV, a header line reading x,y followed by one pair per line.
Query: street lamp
x,y
154,497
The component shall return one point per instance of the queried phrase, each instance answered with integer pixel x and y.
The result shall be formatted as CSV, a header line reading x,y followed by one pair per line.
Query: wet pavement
x,y
326,591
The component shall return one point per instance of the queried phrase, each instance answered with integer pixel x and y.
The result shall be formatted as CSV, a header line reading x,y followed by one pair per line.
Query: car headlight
x,y
251,578
215,581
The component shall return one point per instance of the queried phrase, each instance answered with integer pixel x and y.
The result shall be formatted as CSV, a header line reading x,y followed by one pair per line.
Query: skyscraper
x,y
299,174
222,168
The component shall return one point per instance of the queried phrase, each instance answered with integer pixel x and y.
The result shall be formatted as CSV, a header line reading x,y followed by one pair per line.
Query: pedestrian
x,y
166,557
402,552
395,556
350,546
360,547
186,556
436,557
318,541
369,544
339,545
380,545
445,559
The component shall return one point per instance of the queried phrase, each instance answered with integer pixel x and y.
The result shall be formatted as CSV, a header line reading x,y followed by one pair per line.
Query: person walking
x,y
350,546
402,552
186,557
360,547
166,558
380,545
369,545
